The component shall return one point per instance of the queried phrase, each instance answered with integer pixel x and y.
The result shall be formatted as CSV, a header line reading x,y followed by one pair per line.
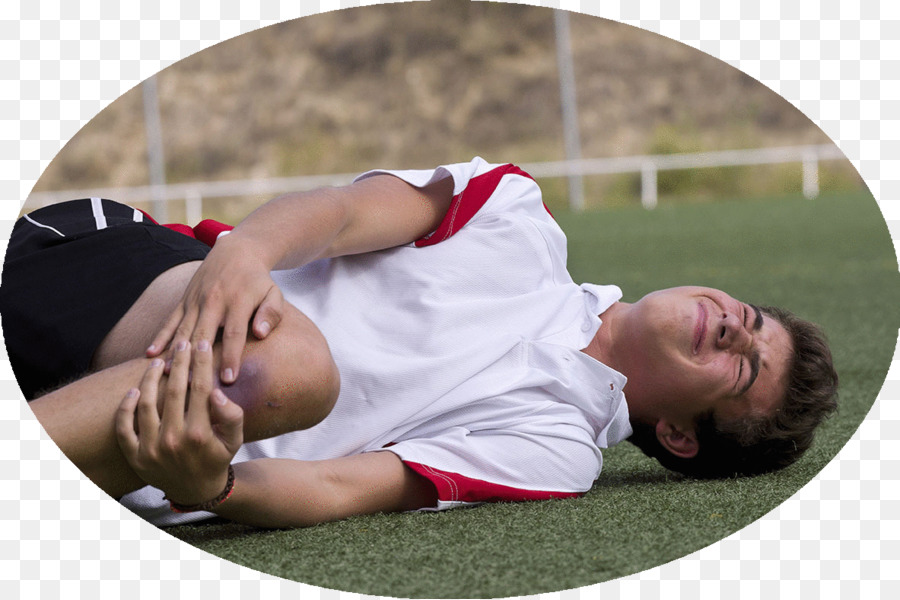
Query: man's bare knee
x,y
288,381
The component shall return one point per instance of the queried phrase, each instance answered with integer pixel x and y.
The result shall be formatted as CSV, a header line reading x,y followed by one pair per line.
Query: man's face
x,y
690,350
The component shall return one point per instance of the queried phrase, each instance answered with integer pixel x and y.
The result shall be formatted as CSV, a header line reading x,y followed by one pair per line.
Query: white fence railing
x,y
649,166
193,194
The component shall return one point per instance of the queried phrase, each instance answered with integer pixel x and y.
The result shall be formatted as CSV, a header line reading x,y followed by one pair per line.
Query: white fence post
x,y
571,135
810,175
156,164
648,185
193,208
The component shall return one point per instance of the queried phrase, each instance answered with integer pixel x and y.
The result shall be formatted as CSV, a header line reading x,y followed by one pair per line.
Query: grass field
x,y
830,260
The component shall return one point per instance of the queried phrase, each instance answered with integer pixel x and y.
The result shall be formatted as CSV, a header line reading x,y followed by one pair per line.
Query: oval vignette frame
x,y
133,529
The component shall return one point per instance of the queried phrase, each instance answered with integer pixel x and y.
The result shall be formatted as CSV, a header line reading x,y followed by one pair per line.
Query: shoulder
x,y
481,191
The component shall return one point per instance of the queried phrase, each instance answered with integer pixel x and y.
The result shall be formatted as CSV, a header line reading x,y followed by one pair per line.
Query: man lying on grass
x,y
462,364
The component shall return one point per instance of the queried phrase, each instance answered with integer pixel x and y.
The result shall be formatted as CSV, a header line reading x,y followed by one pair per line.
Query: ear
x,y
680,441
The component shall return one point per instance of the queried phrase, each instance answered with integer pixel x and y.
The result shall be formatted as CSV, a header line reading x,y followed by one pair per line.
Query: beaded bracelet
x,y
209,504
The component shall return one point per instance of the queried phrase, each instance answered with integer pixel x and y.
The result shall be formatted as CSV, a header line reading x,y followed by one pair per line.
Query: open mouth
x,y
700,329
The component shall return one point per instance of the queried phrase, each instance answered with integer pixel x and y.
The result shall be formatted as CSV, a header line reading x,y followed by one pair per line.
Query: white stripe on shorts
x,y
53,229
99,217
138,216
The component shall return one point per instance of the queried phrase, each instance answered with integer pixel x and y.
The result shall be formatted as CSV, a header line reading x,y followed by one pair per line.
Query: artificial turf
x,y
830,260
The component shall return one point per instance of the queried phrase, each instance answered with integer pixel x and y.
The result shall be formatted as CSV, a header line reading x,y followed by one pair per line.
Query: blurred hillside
x,y
414,85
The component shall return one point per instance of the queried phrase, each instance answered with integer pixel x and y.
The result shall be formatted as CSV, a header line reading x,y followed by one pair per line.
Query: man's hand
x,y
183,450
231,287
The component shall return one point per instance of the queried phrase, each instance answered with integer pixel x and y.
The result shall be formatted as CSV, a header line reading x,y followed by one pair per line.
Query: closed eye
x,y
754,372
758,321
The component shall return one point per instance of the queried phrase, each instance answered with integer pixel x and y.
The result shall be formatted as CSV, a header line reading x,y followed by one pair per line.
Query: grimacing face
x,y
690,350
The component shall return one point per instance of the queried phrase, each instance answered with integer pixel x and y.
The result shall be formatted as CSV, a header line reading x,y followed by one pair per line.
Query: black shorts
x,y
72,271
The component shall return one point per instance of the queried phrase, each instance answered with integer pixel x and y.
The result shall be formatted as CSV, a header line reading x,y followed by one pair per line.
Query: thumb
x,y
227,419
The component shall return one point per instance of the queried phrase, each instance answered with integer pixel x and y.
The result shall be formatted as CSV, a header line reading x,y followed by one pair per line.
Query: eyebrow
x,y
754,358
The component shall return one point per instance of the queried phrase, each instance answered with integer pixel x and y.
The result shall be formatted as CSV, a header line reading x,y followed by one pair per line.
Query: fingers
x,y
209,407
147,412
128,439
182,452
201,385
228,420
234,337
206,325
269,313
195,327
139,407
166,334
233,291
176,388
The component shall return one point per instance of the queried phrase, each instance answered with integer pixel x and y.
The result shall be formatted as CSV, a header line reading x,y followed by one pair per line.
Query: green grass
x,y
830,260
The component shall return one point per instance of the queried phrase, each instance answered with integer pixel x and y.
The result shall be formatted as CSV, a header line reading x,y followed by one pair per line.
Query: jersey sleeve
x,y
536,462
479,188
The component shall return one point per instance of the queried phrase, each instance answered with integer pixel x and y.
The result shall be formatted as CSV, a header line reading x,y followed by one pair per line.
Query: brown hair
x,y
754,445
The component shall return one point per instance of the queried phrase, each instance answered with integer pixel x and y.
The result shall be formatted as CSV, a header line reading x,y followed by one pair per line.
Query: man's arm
x,y
378,212
180,434
233,285
290,493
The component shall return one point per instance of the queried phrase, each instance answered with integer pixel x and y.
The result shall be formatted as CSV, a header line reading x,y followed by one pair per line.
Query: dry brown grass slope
x,y
417,84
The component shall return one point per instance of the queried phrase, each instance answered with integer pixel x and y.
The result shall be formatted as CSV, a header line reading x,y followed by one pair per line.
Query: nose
x,y
731,333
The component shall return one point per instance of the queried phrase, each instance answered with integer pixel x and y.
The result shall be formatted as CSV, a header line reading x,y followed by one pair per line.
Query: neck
x,y
605,347
602,347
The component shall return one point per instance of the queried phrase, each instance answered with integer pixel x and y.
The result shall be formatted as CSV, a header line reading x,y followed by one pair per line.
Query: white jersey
x,y
460,353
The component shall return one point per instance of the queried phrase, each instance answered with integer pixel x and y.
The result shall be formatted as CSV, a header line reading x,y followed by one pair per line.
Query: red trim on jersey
x,y
453,487
468,202
208,231
180,229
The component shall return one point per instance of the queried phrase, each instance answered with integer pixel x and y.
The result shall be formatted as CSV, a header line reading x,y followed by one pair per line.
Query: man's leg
x,y
80,419
288,382
128,339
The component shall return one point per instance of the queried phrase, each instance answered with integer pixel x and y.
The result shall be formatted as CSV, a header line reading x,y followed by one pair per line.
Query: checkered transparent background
x,y
62,62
